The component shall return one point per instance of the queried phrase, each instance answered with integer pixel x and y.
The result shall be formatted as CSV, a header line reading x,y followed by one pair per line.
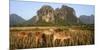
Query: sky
x,y
28,9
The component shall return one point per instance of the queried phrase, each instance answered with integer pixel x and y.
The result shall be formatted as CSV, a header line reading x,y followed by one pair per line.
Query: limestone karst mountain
x,y
65,15
60,16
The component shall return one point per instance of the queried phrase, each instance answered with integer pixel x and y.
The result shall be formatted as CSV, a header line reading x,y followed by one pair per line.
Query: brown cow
x,y
60,36
38,38
22,35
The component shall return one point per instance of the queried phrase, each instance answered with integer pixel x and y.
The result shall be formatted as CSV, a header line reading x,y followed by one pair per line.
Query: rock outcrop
x,y
46,14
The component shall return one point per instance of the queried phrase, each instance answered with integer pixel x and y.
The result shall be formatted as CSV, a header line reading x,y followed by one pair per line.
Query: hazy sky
x,y
28,9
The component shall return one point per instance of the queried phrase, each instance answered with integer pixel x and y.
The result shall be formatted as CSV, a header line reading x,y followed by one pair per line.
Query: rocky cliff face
x,y
46,14
67,14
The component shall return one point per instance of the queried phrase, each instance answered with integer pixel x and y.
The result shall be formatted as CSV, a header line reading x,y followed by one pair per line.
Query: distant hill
x,y
31,21
87,19
15,19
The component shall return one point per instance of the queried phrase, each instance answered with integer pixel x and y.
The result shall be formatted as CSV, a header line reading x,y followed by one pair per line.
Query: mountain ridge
x,y
47,16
